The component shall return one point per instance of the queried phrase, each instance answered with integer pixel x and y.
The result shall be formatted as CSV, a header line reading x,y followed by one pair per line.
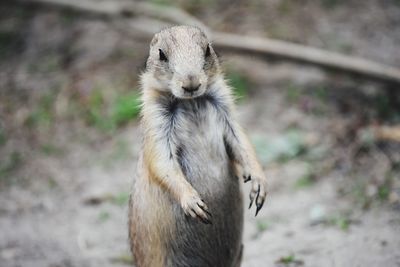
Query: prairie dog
x,y
186,206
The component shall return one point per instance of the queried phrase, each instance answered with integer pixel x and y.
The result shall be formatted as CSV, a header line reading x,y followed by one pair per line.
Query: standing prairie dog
x,y
186,206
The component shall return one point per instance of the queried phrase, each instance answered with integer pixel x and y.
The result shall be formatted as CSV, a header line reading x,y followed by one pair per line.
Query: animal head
x,y
182,61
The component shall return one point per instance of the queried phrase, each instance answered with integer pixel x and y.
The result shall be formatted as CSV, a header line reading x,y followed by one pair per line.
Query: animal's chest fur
x,y
198,137
193,131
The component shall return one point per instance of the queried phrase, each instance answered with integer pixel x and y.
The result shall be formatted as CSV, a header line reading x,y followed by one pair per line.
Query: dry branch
x,y
127,9
263,46
387,133
309,55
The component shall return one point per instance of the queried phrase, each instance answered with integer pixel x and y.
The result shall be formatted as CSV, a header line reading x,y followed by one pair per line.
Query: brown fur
x,y
193,159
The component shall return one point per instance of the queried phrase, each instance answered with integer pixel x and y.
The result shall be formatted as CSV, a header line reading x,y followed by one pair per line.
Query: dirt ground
x,y
64,180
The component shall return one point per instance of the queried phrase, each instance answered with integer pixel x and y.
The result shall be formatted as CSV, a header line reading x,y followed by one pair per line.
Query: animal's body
x,y
186,205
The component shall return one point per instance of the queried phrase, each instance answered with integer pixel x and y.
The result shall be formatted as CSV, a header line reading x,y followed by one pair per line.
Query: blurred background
x,y
329,141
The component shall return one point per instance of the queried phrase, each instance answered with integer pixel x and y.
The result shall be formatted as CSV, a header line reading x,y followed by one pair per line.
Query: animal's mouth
x,y
189,95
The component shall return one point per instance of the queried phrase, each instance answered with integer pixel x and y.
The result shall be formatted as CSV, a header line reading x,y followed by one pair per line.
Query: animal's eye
x,y
208,52
163,57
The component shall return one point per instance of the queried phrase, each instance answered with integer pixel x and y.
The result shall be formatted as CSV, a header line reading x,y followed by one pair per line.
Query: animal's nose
x,y
191,88
192,84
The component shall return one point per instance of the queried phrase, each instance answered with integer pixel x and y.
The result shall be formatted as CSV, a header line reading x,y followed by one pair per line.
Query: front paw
x,y
244,172
258,191
195,207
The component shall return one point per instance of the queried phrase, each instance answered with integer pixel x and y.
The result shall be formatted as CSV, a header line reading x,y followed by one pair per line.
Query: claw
x,y
258,193
251,202
204,209
252,197
259,206
205,220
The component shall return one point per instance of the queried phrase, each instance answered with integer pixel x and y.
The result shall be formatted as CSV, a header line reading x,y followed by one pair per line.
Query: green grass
x,y
94,109
109,115
121,199
262,225
289,260
11,164
52,183
306,180
3,138
42,115
358,189
104,109
317,152
104,216
385,188
287,146
50,149
285,7
386,109
162,2
68,17
340,221
345,48
126,108
321,93
239,84
330,4
293,93
195,6
48,63
313,100
125,258
383,192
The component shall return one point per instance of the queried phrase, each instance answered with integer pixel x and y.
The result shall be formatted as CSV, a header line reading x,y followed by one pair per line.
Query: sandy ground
x,y
67,207
82,221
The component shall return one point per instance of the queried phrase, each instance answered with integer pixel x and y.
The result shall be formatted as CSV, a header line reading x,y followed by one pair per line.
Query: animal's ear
x,y
208,51
154,40
163,57
211,49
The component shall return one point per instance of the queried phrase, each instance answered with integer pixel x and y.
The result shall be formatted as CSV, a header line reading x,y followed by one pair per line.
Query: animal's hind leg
x,y
238,260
